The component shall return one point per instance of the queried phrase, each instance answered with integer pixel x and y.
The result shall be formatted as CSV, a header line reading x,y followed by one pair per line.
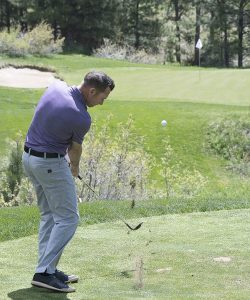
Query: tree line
x,y
172,27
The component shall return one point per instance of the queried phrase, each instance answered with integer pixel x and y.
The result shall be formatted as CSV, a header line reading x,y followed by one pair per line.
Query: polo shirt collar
x,y
80,95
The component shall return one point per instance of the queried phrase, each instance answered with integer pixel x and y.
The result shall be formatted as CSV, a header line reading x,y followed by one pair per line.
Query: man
x,y
58,128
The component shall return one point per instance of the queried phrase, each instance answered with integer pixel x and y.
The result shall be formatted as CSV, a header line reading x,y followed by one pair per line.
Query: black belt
x,y
42,154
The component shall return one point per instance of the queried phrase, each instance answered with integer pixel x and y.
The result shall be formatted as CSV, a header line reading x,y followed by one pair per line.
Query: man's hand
x,y
74,170
74,153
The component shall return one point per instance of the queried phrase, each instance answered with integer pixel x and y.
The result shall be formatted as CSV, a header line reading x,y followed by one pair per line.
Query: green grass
x,y
180,84
150,93
155,83
17,222
16,110
186,123
184,245
178,254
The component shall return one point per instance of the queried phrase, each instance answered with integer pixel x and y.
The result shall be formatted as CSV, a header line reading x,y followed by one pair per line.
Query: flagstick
x,y
199,46
199,65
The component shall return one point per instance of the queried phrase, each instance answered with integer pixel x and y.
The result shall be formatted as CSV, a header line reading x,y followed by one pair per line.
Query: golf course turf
x,y
185,249
187,256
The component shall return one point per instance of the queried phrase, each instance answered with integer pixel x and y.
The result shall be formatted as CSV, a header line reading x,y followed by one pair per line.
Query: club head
x,y
138,226
135,228
131,228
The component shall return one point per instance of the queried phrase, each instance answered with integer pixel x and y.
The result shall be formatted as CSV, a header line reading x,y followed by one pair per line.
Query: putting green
x,y
230,87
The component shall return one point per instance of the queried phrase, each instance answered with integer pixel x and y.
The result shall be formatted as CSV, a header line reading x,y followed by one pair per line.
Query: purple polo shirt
x,y
60,117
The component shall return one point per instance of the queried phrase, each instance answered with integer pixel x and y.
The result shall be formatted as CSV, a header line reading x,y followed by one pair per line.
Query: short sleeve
x,y
80,129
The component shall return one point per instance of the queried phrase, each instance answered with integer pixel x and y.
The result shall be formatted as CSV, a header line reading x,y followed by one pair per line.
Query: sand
x,y
25,78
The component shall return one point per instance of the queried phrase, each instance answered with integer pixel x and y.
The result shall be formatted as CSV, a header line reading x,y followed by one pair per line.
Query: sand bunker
x,y
25,78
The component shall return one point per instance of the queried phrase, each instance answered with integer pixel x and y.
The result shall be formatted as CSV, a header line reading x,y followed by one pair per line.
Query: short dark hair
x,y
98,80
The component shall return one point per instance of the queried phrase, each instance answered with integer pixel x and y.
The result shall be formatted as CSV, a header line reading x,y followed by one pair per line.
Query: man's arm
x,y
74,152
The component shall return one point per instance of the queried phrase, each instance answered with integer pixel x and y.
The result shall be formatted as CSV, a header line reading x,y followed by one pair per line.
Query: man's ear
x,y
92,91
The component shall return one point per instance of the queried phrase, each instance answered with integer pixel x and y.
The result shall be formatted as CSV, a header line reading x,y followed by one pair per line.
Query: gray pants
x,y
57,201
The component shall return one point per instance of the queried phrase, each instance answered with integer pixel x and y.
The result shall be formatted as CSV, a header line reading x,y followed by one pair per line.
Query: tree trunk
x,y
178,33
2,23
197,32
224,30
55,33
178,44
22,18
7,11
137,34
211,29
226,48
240,33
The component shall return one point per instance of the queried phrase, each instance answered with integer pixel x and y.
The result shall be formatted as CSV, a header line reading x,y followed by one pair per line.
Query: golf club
x,y
114,211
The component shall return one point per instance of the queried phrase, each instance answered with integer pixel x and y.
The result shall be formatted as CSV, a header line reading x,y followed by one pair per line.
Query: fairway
x,y
230,87
152,93
138,82
179,255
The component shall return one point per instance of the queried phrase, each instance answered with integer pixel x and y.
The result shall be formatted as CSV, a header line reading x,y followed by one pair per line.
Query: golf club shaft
x,y
113,210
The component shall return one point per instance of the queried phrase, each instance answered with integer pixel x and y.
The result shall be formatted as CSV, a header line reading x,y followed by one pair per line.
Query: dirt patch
x,y
224,259
25,78
164,270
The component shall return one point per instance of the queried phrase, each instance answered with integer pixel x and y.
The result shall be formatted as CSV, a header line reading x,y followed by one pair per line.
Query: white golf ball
x,y
164,123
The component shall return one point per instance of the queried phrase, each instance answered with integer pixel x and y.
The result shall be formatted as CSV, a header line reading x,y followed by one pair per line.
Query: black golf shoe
x,y
66,278
51,282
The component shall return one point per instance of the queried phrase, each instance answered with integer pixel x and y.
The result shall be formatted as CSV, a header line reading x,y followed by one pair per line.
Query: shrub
x,y
13,44
41,41
12,171
179,182
15,188
37,41
230,138
114,164
116,167
126,52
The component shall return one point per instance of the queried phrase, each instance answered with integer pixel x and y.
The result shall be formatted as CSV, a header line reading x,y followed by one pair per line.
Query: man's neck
x,y
83,92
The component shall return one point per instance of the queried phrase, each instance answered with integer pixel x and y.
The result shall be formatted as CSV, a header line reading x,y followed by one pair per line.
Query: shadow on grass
x,y
34,293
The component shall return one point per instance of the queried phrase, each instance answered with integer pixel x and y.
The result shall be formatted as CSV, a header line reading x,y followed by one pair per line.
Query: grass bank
x,y
186,127
190,256
17,222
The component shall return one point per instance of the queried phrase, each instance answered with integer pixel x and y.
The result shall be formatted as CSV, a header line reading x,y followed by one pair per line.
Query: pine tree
x,y
140,23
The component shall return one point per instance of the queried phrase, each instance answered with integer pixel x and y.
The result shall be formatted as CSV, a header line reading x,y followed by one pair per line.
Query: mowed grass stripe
x,y
155,82
178,253
229,87
17,222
